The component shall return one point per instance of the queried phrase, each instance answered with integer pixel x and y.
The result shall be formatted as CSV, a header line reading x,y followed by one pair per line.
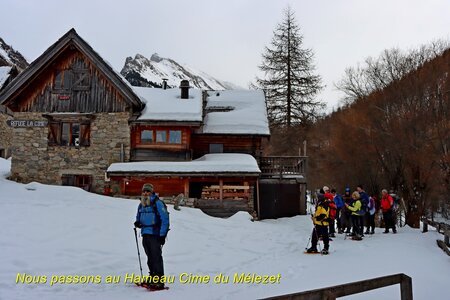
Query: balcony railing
x,y
283,166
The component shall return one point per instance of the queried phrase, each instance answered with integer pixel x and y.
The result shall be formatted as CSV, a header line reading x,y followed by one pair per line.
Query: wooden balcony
x,y
283,166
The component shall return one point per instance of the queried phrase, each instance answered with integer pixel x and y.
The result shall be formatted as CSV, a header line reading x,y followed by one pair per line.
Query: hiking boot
x,y
367,232
332,235
312,250
340,231
357,238
158,286
394,231
372,232
324,252
386,231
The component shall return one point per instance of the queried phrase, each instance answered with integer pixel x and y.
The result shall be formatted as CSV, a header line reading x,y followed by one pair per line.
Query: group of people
x,y
349,213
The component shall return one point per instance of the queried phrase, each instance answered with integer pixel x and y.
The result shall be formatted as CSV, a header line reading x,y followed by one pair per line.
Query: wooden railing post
x,y
406,288
425,225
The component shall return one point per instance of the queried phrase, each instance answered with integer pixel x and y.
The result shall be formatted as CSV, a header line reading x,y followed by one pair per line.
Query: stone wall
x,y
5,135
34,160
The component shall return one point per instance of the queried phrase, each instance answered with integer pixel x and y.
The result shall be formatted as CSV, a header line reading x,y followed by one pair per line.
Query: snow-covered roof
x,y
209,163
4,74
167,105
236,112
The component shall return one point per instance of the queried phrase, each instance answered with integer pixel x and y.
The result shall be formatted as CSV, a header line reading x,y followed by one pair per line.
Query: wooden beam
x,y
186,188
221,191
257,199
354,288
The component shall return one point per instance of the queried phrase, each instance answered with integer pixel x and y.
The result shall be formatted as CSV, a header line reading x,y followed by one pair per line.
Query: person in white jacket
x,y
370,215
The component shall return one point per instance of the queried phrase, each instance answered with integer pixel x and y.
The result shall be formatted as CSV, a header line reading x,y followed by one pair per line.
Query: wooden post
x,y
221,191
425,225
257,199
186,188
406,288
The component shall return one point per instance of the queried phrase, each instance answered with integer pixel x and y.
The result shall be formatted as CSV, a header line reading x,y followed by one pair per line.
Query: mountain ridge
x,y
150,72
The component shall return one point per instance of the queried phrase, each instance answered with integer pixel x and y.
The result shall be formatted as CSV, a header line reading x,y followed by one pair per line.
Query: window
x,y
82,181
161,136
147,136
75,134
70,135
175,136
63,80
81,80
215,148
72,79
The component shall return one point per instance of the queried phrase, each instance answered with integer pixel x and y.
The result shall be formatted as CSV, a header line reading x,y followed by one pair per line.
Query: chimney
x,y
184,86
164,83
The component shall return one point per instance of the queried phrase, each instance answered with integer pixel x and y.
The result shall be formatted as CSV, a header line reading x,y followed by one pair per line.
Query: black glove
x,y
162,240
137,224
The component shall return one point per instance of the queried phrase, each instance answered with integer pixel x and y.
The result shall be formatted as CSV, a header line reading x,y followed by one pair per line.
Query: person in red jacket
x,y
332,215
386,207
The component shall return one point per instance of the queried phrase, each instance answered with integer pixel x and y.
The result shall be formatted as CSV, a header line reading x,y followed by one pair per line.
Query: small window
x,y
147,136
69,134
161,136
63,80
215,148
175,136
81,80
82,181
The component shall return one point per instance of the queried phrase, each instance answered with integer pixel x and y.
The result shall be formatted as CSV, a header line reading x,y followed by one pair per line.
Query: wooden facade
x,y
170,148
247,144
86,106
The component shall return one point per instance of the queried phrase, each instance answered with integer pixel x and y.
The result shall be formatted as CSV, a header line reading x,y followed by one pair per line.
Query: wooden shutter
x,y
85,134
54,133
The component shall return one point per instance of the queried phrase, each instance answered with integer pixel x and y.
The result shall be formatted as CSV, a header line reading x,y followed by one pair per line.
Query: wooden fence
x,y
282,166
331,293
441,228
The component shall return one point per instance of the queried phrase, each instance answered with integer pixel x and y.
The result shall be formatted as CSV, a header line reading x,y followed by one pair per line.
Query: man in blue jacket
x,y
153,219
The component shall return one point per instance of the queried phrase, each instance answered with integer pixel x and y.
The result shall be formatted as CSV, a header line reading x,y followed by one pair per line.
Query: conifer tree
x,y
289,82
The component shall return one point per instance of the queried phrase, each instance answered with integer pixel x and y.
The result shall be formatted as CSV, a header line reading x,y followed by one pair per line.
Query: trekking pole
x,y
317,236
139,254
307,245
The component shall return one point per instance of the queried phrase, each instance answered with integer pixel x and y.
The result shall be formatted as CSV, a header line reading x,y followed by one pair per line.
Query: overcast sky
x,y
226,38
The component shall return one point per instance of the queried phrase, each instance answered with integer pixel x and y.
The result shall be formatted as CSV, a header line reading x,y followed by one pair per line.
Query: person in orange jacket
x,y
387,203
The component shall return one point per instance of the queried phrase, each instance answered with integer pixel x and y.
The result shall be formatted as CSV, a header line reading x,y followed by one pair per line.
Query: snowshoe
x,y
312,250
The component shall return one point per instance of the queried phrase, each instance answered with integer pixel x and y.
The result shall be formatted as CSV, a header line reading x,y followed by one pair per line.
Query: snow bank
x,y
56,230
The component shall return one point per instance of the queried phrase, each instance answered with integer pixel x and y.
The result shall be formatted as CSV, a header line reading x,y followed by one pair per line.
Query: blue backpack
x,y
365,199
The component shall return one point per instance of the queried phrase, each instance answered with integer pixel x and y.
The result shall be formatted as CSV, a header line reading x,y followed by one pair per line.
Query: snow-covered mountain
x,y
10,57
141,71
11,63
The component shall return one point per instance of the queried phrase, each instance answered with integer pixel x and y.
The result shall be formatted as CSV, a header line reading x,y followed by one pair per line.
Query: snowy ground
x,y
53,230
